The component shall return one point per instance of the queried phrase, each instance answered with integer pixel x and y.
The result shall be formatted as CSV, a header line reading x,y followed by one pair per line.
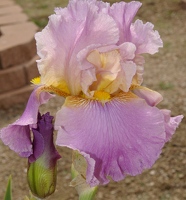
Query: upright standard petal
x,y
123,136
142,35
17,135
124,13
69,31
145,38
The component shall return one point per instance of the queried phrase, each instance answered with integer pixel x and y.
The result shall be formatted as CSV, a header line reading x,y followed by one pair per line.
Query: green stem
x,y
32,197
89,194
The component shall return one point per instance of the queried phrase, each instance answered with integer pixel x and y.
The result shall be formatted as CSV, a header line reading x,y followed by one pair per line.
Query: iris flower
x,y
92,54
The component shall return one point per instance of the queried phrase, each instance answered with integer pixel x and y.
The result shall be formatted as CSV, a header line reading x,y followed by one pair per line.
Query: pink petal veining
x,y
125,136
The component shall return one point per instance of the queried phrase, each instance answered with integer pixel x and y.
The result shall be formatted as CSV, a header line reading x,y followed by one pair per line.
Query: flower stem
x,y
89,194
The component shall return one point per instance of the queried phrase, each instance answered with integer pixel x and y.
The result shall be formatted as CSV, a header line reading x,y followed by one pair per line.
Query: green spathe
x,y
78,172
42,180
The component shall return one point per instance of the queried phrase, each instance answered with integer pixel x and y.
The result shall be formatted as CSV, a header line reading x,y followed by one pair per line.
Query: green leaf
x,y
8,194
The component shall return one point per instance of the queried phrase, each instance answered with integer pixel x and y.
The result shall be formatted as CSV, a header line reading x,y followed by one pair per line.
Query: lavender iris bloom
x,y
92,53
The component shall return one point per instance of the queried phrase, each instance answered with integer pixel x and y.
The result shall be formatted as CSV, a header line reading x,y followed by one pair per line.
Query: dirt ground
x,y
164,72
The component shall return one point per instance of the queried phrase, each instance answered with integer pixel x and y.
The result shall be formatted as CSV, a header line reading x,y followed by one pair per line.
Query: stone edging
x,y
17,54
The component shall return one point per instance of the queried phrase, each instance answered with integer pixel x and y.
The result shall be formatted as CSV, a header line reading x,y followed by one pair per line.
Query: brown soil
x,y
164,72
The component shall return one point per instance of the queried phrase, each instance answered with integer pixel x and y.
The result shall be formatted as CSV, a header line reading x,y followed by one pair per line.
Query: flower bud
x,y
42,164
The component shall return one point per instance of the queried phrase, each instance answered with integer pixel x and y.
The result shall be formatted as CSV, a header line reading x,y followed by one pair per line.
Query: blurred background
x,y
165,72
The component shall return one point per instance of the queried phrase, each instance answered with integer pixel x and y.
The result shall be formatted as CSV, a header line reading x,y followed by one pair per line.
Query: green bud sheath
x,y
78,172
41,180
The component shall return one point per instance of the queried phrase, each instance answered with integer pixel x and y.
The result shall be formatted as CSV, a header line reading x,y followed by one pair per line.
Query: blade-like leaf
x,y
8,194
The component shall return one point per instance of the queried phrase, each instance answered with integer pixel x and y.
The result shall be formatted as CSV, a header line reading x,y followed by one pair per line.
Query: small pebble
x,y
152,172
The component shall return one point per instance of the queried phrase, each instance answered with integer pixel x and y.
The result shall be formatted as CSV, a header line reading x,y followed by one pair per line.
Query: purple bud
x,y
42,169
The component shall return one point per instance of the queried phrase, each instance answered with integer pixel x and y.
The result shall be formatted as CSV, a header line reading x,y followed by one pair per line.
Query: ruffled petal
x,y
127,51
17,135
107,65
124,13
18,139
113,68
171,123
123,136
124,79
138,78
89,174
145,38
127,69
68,32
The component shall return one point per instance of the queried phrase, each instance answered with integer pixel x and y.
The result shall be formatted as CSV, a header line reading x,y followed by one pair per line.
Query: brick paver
x,y
12,78
17,42
13,18
5,3
17,54
10,10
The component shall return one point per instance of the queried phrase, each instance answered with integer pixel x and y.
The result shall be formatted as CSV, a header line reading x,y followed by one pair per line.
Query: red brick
x,y
6,3
17,54
17,34
12,78
31,69
17,96
10,10
17,44
13,18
